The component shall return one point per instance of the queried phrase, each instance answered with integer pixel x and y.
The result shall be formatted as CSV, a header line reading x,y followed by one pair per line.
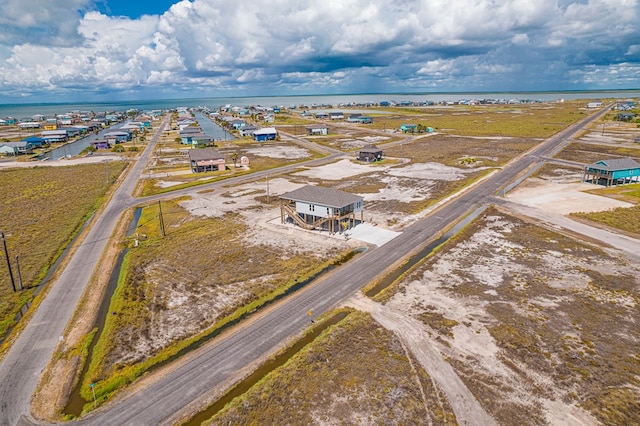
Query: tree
x,y
234,158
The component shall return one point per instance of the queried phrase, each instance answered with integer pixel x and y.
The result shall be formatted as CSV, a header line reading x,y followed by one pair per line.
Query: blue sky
x,y
108,50
133,8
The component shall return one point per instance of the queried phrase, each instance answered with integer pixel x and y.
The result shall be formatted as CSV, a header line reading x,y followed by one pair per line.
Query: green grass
x,y
623,218
40,215
526,120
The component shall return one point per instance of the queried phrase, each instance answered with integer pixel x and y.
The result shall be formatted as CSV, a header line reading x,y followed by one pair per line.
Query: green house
x,y
616,171
409,128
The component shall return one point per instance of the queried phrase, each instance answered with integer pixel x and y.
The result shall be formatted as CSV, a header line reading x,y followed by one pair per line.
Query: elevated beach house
x,y
617,171
369,154
265,134
206,160
316,207
15,148
317,130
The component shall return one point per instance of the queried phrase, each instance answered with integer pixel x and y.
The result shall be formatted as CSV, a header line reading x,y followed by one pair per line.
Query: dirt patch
x,y
522,312
561,191
356,373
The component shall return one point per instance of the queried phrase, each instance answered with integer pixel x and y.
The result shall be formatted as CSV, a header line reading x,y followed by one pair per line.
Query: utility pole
x,y
6,253
19,274
161,219
268,198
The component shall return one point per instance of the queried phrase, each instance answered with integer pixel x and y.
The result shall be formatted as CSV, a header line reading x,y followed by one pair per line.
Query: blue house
x,y
359,118
35,141
117,137
612,172
15,148
236,124
101,144
265,134
409,128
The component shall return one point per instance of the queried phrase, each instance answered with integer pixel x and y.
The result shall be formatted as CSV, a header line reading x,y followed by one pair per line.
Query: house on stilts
x,y
316,207
617,171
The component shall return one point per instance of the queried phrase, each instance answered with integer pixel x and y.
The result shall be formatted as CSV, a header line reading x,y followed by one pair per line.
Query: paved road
x,y
21,367
223,359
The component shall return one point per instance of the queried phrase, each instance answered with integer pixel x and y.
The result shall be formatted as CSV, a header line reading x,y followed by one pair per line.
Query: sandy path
x,y
466,407
630,246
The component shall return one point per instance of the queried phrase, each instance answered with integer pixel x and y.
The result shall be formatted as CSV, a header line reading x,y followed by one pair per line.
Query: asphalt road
x,y
21,367
223,359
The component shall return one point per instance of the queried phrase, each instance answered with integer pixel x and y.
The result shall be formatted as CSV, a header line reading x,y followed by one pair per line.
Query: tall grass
x,y
41,210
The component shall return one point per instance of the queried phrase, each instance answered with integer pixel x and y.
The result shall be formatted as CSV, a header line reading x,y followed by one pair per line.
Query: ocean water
x,y
20,111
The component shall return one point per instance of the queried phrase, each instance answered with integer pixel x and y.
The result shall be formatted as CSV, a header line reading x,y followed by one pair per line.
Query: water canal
x,y
212,129
71,149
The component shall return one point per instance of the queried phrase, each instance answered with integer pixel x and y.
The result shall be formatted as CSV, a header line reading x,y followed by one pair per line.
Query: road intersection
x,y
221,361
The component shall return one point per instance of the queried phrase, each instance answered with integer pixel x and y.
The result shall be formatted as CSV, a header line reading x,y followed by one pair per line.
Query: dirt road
x,y
466,407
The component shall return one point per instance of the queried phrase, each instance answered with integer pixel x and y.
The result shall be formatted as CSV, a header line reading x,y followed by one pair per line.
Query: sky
x,y
109,50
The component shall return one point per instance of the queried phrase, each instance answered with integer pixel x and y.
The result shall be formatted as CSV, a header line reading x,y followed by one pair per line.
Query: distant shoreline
x,y
28,109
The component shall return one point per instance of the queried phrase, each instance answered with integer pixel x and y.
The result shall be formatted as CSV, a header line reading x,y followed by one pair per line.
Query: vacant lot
x,y
530,319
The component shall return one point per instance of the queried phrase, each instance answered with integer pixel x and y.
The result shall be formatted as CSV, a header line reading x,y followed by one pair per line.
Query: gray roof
x,y
22,144
191,129
319,195
616,164
204,154
371,148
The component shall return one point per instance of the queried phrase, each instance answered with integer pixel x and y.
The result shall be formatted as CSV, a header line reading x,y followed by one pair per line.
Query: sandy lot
x,y
562,196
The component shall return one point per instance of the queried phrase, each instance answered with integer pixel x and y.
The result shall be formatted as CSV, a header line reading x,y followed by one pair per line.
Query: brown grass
x,y
584,342
178,286
355,373
588,153
519,120
41,213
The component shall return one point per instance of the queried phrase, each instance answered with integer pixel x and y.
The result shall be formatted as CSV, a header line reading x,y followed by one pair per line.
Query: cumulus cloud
x,y
209,48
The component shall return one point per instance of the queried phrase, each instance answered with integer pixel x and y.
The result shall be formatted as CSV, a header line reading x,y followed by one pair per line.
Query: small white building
x,y
317,130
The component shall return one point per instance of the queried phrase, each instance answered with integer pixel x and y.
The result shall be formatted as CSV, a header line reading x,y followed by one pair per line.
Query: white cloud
x,y
254,48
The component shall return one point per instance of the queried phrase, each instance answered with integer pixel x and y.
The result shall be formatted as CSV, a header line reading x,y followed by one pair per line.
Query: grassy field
x,y
520,120
41,213
625,219
590,153
356,372
483,155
